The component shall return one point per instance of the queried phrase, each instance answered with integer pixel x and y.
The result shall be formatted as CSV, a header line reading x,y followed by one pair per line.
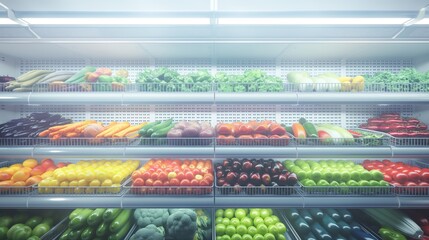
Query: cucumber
x,y
320,232
345,229
316,213
302,121
340,237
333,214
292,214
102,229
162,125
360,234
143,130
330,225
110,214
75,213
80,74
310,130
88,233
120,221
310,236
121,233
301,225
305,214
162,133
289,129
79,221
75,234
96,217
65,235
345,215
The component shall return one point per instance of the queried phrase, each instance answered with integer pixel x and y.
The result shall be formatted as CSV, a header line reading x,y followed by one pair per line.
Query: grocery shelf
x,y
168,98
343,151
127,201
289,151
410,151
9,98
256,98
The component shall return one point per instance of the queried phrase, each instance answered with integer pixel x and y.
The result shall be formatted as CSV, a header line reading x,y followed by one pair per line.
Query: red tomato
x,y
145,175
180,176
157,183
174,182
196,171
195,182
163,176
138,182
185,182
154,176
189,175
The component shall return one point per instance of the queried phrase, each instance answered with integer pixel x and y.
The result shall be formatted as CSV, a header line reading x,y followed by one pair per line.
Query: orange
x,y
33,180
4,176
31,163
19,183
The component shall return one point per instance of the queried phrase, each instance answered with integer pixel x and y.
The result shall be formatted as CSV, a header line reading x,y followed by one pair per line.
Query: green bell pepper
x,y
19,232
387,233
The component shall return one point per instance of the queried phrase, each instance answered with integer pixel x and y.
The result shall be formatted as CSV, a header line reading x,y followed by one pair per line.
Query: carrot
x,y
56,128
72,134
134,134
124,132
298,130
44,133
107,129
73,126
117,128
54,133
56,137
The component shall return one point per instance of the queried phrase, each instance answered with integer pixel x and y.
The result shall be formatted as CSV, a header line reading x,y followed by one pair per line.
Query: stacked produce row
x,y
232,176
167,80
47,129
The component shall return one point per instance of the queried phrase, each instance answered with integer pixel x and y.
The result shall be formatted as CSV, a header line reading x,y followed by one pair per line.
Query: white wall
x,y
9,66
422,63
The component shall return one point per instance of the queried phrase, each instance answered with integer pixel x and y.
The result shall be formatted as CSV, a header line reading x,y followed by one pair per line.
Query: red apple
x,y
185,182
413,176
138,182
174,182
401,178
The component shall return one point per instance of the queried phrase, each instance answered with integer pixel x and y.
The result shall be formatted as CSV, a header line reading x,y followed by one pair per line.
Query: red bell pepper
x,y
277,129
225,140
246,139
225,129
277,140
262,128
245,129
355,134
260,139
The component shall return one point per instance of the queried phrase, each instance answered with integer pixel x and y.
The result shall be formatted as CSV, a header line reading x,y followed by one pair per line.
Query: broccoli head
x,y
150,232
157,217
181,224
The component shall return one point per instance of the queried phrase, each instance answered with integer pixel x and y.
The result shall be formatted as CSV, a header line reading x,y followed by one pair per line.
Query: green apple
x,y
322,182
316,176
287,162
218,220
247,237
240,213
269,221
273,229
336,176
258,237
355,175
270,211
241,229
376,175
358,167
246,221
226,237
219,213
234,222
306,167
226,221
280,237
218,237
295,169
265,213
383,183
345,177
252,230
374,183
275,219
230,230
269,236
262,229
327,176
254,212
302,174
257,221
334,184
364,183
236,237
352,183
229,213
309,183
344,187
220,229
281,227
365,176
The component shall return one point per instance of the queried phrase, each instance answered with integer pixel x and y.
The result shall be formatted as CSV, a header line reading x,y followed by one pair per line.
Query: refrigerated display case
x,y
220,36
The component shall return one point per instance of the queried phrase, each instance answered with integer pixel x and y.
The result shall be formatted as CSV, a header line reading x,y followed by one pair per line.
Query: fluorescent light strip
x,y
117,21
313,21
7,21
423,21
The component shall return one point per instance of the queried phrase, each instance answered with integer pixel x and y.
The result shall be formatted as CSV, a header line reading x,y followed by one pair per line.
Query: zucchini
x,y
310,130
340,237
143,130
302,120
345,229
102,229
345,215
305,214
310,236
333,214
121,233
362,235
88,233
120,221
79,221
320,232
330,225
110,214
301,225
316,213
65,235
96,217
81,74
75,234
292,214
75,213
162,125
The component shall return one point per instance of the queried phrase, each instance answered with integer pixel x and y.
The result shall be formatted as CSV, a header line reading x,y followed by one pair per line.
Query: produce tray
x,y
348,142
255,142
14,190
409,142
293,234
66,142
173,142
80,87
57,230
190,191
417,190
130,233
170,87
356,87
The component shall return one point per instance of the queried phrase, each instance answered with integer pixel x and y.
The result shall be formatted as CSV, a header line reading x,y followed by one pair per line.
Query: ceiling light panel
x,y
313,21
117,21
